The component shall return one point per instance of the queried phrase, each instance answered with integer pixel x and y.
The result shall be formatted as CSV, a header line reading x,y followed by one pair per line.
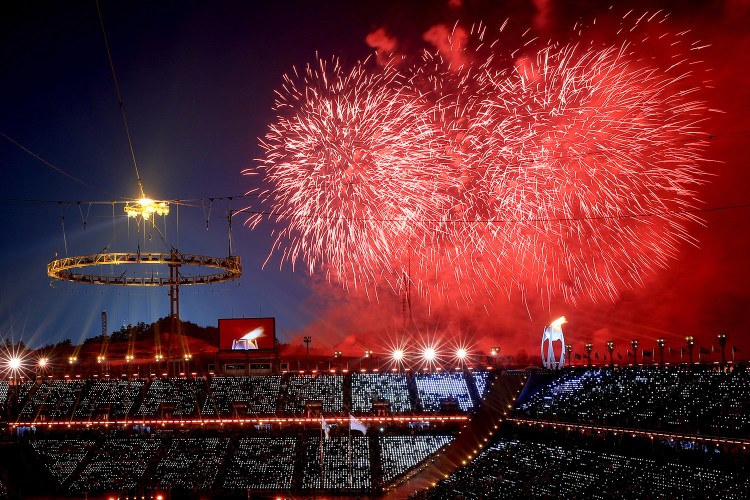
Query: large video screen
x,y
247,334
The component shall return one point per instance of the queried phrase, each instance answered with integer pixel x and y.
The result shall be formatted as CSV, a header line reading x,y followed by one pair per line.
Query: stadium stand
x,y
108,399
512,468
119,464
436,388
61,457
3,392
281,452
390,388
51,400
481,380
192,463
262,463
242,396
702,399
299,390
346,464
177,397
399,454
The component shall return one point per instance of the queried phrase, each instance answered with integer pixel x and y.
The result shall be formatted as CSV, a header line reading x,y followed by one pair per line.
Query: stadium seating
x,y
513,468
435,388
176,396
52,400
301,389
367,388
481,380
118,465
231,459
702,399
3,393
401,453
62,456
108,399
192,463
261,463
255,395
346,464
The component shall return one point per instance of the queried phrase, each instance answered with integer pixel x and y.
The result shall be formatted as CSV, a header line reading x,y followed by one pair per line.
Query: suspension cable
x,y
119,100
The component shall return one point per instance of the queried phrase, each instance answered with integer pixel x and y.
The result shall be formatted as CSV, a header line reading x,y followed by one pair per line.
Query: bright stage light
x,y
462,353
398,355
429,354
146,207
42,362
14,363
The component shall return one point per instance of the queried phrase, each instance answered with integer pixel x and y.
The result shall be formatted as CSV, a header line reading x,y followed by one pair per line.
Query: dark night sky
x,y
198,80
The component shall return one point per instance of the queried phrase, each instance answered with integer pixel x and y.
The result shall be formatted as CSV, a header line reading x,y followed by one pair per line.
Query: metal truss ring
x,y
230,268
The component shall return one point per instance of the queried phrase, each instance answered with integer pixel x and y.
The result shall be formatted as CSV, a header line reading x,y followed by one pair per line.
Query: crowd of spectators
x,y
261,463
569,468
701,399
214,461
108,399
241,396
434,389
402,453
371,388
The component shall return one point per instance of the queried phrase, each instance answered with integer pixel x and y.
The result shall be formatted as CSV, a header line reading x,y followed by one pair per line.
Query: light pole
x,y
337,358
307,341
660,344
495,351
128,359
722,338
101,361
634,344
569,354
42,365
690,341
589,346
158,358
368,355
611,348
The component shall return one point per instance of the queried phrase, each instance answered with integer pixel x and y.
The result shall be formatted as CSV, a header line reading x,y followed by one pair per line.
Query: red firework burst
x,y
568,172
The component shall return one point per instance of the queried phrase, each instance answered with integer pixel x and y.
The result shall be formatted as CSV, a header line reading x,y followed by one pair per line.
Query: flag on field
x,y
647,354
578,356
619,356
735,349
325,426
704,350
596,355
357,425
630,354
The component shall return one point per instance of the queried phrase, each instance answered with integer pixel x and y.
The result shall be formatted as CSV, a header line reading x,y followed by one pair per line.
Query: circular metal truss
x,y
229,268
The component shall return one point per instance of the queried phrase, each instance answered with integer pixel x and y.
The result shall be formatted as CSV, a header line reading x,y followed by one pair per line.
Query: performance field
x,y
632,431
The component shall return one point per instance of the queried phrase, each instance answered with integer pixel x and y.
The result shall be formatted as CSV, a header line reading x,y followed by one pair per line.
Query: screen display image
x,y
246,334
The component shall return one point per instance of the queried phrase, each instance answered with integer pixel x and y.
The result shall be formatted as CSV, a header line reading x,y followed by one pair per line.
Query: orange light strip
x,y
242,421
632,432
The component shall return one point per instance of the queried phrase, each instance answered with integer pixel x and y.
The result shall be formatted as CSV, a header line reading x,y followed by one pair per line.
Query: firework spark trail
x,y
346,173
523,173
